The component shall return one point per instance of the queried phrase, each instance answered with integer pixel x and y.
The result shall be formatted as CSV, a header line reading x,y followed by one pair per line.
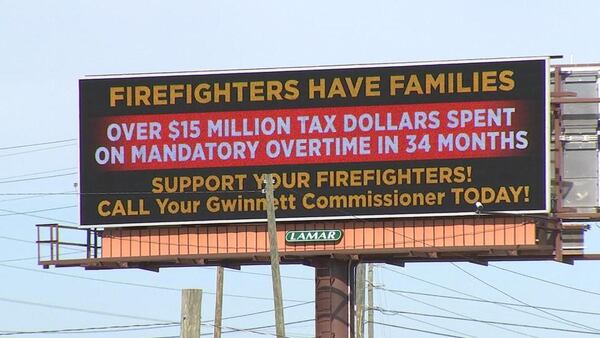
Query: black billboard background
x,y
98,185
529,79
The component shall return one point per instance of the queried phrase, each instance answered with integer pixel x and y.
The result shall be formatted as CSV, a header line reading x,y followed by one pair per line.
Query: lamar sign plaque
x,y
313,236
378,141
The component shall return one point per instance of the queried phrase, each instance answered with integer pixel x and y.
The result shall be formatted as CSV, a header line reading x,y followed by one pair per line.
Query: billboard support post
x,y
331,298
276,277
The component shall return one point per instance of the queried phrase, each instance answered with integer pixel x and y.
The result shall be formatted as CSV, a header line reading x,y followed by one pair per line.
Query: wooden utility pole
x,y
360,300
191,300
219,303
275,274
370,301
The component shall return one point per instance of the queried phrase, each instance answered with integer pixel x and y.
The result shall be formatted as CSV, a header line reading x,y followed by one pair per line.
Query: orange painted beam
x,y
446,233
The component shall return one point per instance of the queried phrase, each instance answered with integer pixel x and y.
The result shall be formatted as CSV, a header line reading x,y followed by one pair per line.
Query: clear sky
x,y
47,46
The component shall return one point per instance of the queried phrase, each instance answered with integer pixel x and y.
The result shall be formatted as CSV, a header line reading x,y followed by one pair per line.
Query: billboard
x,y
344,142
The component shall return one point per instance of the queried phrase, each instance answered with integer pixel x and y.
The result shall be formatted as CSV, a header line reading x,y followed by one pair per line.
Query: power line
x,y
37,150
248,330
485,301
393,312
269,275
38,178
457,291
465,316
76,309
36,257
254,329
465,294
231,329
264,311
17,239
470,317
462,334
12,212
546,281
60,307
29,213
566,321
156,287
31,197
98,329
34,242
37,173
38,144
138,284
417,330
117,193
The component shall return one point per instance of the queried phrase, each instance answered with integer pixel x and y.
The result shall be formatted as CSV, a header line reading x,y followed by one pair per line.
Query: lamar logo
x,y
313,236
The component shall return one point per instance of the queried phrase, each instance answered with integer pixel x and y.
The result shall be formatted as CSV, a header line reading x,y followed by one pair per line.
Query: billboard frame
x,y
546,142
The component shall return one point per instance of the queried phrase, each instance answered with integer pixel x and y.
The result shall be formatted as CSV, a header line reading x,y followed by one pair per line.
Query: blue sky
x,y
48,45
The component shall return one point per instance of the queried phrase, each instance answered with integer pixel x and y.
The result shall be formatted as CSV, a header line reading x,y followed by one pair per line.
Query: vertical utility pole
x,y
370,300
191,299
360,300
275,274
219,303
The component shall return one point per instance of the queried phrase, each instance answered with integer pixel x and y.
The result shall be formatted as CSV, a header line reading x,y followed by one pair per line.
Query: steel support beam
x,y
332,298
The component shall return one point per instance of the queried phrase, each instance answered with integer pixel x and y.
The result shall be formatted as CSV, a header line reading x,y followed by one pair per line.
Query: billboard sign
x,y
346,142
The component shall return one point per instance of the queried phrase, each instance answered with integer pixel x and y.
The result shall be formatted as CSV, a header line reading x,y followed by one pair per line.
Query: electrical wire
x,y
12,212
98,329
31,197
558,329
37,257
29,213
416,330
249,330
156,287
38,178
565,321
60,307
464,294
118,193
462,334
14,239
546,281
254,329
18,239
467,317
76,309
269,275
38,144
264,311
37,173
485,301
38,150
